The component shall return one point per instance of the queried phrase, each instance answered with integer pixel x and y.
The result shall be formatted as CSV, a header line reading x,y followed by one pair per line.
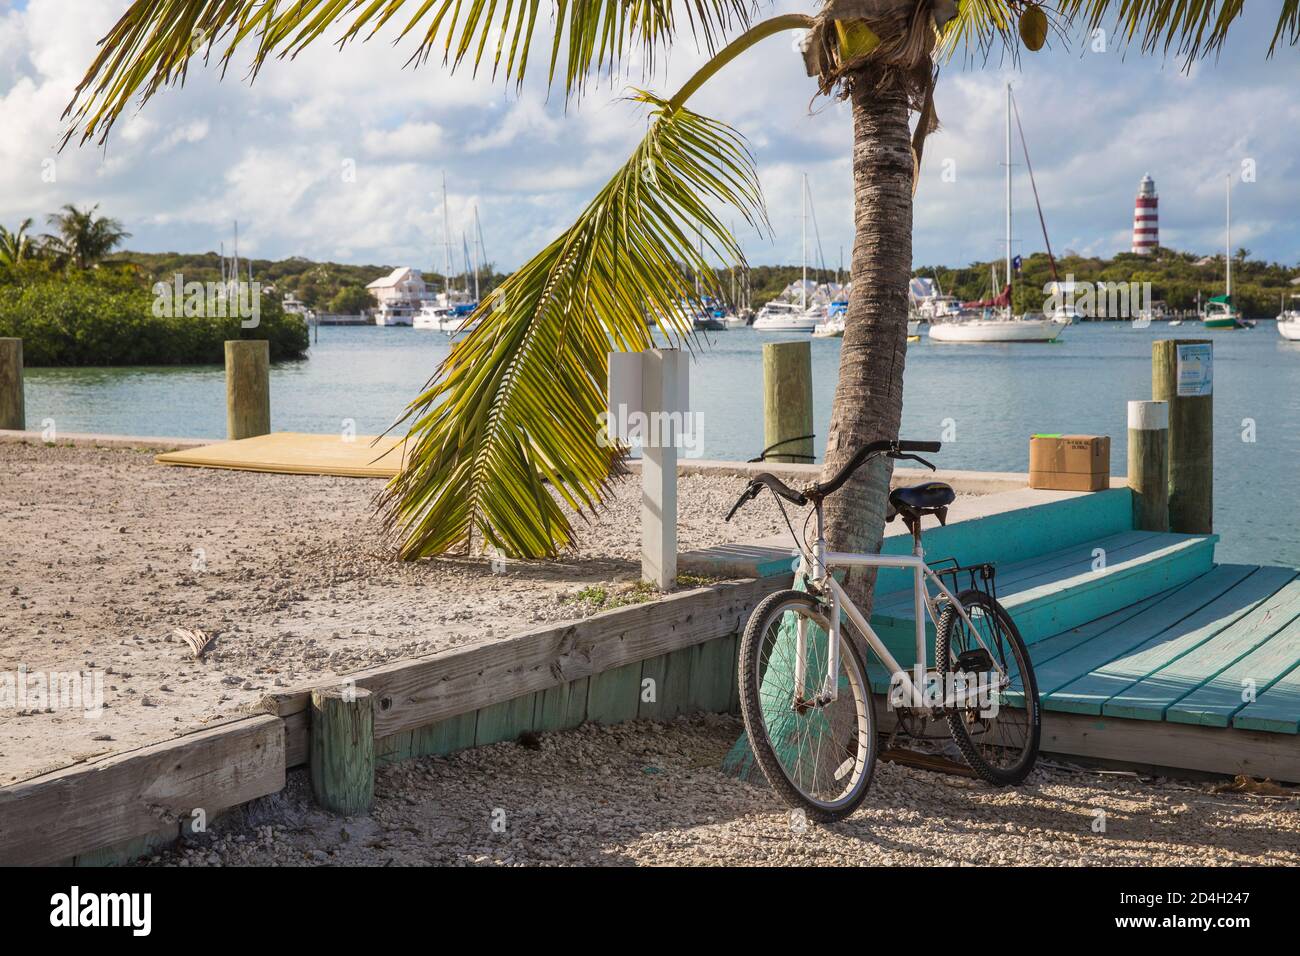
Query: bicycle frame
x,y
825,561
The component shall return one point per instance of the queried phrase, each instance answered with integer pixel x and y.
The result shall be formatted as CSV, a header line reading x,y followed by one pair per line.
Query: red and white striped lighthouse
x,y
1146,219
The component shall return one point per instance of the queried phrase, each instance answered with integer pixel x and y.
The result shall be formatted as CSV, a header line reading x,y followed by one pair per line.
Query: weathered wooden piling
x,y
343,748
1182,375
1148,464
248,388
788,401
12,413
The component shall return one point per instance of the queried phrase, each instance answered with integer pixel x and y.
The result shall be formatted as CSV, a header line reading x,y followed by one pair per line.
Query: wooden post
x,y
343,749
1182,375
12,413
248,388
1148,464
788,401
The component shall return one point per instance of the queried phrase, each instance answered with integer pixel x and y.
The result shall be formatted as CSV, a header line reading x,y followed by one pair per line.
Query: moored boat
x,y
1288,321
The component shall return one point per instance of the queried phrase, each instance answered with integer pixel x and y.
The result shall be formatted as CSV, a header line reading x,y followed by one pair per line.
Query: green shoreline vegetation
x,y
74,300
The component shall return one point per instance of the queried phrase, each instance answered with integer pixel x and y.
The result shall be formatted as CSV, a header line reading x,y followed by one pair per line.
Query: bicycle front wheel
x,y
817,753
995,719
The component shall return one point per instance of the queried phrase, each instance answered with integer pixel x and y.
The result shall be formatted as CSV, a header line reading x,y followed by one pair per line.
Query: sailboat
x,y
786,316
1219,311
1003,326
449,310
1288,320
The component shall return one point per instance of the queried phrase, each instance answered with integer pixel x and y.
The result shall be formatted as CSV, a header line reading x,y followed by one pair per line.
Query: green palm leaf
x,y
1189,29
154,42
516,406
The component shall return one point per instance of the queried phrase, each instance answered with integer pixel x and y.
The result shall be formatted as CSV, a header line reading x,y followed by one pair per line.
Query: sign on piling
x,y
1182,374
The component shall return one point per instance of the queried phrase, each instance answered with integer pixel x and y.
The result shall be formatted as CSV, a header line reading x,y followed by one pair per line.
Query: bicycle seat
x,y
922,498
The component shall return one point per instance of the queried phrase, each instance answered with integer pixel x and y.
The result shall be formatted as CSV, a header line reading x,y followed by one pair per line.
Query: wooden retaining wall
x,y
126,805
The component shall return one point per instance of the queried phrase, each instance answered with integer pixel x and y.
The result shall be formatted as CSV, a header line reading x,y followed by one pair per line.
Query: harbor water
x,y
984,401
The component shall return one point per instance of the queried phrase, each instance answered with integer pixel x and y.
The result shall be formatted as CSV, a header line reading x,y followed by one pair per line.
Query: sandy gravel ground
x,y
649,793
103,553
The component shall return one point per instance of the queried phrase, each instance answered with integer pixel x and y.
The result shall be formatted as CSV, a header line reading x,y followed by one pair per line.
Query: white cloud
x,y
272,153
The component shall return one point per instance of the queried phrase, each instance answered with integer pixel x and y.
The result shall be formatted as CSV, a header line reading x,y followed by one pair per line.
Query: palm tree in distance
x,y
16,246
515,406
83,238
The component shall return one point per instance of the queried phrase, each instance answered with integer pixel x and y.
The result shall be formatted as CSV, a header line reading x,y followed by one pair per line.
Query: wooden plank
x,y
122,853
394,747
562,707
444,737
80,809
672,676
1149,698
1054,674
712,675
1214,703
505,721
1178,746
1277,710
417,692
297,738
1087,694
614,696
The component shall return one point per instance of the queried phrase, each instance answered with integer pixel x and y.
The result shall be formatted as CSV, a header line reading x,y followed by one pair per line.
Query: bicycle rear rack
x,y
982,577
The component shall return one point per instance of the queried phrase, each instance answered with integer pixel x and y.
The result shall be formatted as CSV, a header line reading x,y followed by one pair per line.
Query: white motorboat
x,y
395,313
780,316
913,327
1288,321
831,328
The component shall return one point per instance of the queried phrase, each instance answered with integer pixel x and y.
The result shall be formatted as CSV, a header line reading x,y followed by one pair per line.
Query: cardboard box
x,y
1069,462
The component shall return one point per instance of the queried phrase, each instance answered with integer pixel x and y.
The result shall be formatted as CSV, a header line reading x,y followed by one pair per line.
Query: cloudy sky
x,y
272,154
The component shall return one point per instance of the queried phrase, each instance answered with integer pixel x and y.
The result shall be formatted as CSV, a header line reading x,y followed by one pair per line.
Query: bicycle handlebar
x,y
898,448
866,451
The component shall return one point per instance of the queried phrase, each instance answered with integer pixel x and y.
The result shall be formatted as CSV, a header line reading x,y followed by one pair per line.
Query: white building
x,y
399,294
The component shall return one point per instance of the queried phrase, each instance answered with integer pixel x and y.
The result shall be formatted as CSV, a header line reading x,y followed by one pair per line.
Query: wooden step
x,y
1219,699
1176,625
1249,620
1065,589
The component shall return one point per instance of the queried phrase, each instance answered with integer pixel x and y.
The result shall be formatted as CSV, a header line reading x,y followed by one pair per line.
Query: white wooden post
x,y
648,401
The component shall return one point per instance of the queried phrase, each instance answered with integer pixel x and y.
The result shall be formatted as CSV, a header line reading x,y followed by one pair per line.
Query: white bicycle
x,y
805,691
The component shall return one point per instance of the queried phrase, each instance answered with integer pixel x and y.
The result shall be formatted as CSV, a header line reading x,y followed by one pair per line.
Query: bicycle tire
x,y
751,676
960,719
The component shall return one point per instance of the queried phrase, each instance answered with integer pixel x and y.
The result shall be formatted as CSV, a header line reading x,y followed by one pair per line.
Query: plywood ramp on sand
x,y
296,453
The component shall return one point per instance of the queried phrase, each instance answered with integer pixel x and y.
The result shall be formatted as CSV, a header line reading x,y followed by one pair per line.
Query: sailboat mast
x,y
1227,232
803,286
1008,164
446,242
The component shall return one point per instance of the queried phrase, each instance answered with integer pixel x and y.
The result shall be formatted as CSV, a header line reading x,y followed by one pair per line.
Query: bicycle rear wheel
x,y
817,754
997,729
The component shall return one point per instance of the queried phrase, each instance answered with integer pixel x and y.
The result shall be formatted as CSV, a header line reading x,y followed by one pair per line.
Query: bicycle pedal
x,y
975,661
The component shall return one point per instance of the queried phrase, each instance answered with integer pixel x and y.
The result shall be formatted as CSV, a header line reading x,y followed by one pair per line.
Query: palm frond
x,y
1187,29
517,404
154,42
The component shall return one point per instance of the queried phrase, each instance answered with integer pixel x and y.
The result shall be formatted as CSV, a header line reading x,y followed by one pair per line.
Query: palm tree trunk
x,y
869,395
